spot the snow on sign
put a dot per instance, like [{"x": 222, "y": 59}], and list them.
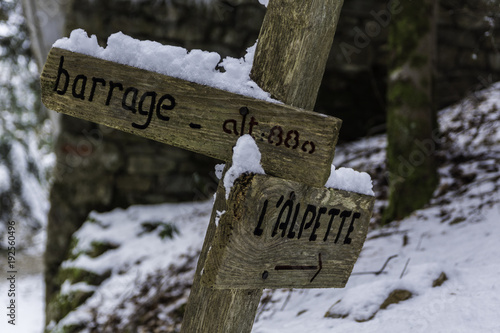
[
  {"x": 189, "y": 115},
  {"x": 283, "y": 234}
]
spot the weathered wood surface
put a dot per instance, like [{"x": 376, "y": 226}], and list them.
[
  {"x": 237, "y": 307},
  {"x": 214, "y": 310},
  {"x": 188, "y": 115},
  {"x": 300, "y": 35},
  {"x": 277, "y": 233}
]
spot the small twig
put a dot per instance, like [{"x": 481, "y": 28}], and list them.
[
  {"x": 404, "y": 269},
  {"x": 379, "y": 271},
  {"x": 287, "y": 299},
  {"x": 266, "y": 299},
  {"x": 420, "y": 241}
]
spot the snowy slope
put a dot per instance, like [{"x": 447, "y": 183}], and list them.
[
  {"x": 452, "y": 244},
  {"x": 444, "y": 259},
  {"x": 468, "y": 301},
  {"x": 455, "y": 237}
]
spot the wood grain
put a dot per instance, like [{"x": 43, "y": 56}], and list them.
[
  {"x": 233, "y": 310},
  {"x": 293, "y": 142},
  {"x": 300, "y": 35},
  {"x": 218, "y": 310},
  {"x": 278, "y": 233}
]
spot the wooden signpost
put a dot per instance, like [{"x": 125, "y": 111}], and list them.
[
  {"x": 189, "y": 115},
  {"x": 283, "y": 234},
  {"x": 279, "y": 230}
]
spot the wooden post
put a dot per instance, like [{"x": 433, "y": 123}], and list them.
[
  {"x": 218, "y": 310},
  {"x": 294, "y": 44}
]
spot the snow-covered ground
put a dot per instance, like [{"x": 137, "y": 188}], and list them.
[
  {"x": 30, "y": 305},
  {"x": 444, "y": 259},
  {"x": 468, "y": 301},
  {"x": 443, "y": 268}
]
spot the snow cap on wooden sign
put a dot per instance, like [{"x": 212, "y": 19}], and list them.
[
  {"x": 283, "y": 234},
  {"x": 293, "y": 142}
]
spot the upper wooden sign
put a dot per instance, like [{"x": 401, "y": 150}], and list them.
[
  {"x": 283, "y": 234},
  {"x": 294, "y": 143}
]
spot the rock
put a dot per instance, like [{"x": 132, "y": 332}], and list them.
[
  {"x": 147, "y": 165},
  {"x": 333, "y": 312},
  {"x": 440, "y": 280},
  {"x": 469, "y": 20},
  {"x": 112, "y": 158},
  {"x": 456, "y": 37},
  {"x": 494, "y": 59},
  {"x": 395, "y": 297},
  {"x": 458, "y": 220},
  {"x": 472, "y": 59},
  {"x": 129, "y": 183}
]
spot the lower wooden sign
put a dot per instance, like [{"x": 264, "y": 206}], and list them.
[{"x": 283, "y": 234}]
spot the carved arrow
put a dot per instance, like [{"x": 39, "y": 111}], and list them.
[{"x": 319, "y": 267}]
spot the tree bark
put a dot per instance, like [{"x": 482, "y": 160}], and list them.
[{"x": 411, "y": 117}]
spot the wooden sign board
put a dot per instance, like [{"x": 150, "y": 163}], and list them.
[
  {"x": 283, "y": 234},
  {"x": 293, "y": 142}
]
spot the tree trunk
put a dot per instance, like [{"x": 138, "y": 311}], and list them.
[{"x": 411, "y": 118}]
